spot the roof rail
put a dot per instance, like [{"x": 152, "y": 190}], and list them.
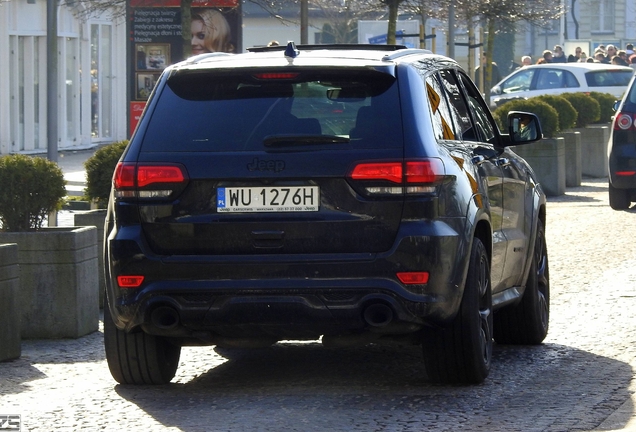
[
  {"x": 199, "y": 57},
  {"x": 406, "y": 52},
  {"x": 368, "y": 47}
]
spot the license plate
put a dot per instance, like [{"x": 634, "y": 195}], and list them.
[{"x": 268, "y": 199}]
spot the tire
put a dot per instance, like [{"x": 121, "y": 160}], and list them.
[
  {"x": 462, "y": 352},
  {"x": 138, "y": 358},
  {"x": 527, "y": 322},
  {"x": 619, "y": 199}
]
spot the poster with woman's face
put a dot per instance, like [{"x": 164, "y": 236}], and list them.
[{"x": 213, "y": 30}]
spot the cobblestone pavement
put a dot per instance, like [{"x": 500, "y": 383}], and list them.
[{"x": 581, "y": 378}]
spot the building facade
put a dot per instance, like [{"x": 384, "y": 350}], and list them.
[{"x": 91, "y": 77}]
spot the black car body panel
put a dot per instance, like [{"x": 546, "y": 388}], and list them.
[{"x": 622, "y": 151}]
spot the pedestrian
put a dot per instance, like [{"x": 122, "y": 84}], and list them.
[
  {"x": 583, "y": 57},
  {"x": 599, "y": 56},
  {"x": 576, "y": 56},
  {"x": 611, "y": 51},
  {"x": 495, "y": 75},
  {"x": 558, "y": 56},
  {"x": 547, "y": 56},
  {"x": 629, "y": 49}
]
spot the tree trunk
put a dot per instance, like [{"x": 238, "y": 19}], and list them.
[
  {"x": 490, "y": 44},
  {"x": 393, "y": 14},
  {"x": 186, "y": 23}
]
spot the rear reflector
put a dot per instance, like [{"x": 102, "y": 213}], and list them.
[
  {"x": 129, "y": 281},
  {"x": 413, "y": 278}
]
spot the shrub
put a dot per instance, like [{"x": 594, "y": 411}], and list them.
[
  {"x": 32, "y": 187},
  {"x": 99, "y": 172},
  {"x": 606, "y": 103},
  {"x": 567, "y": 113},
  {"x": 587, "y": 108},
  {"x": 548, "y": 116}
]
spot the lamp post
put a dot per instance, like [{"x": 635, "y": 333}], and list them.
[{"x": 51, "y": 79}]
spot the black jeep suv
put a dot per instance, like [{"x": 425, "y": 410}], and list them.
[{"x": 353, "y": 194}]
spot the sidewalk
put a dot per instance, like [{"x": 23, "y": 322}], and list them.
[{"x": 72, "y": 164}]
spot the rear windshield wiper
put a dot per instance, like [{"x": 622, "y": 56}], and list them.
[{"x": 291, "y": 140}]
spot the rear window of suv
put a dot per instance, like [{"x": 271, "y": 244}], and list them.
[
  {"x": 202, "y": 111},
  {"x": 608, "y": 78}
]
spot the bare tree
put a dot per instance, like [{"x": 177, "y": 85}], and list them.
[{"x": 342, "y": 17}]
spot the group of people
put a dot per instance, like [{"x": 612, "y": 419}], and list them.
[{"x": 609, "y": 54}]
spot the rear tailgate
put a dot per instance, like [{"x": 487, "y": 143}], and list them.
[{"x": 267, "y": 164}]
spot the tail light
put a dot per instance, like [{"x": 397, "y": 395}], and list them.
[
  {"x": 395, "y": 178},
  {"x": 133, "y": 180},
  {"x": 624, "y": 121}
]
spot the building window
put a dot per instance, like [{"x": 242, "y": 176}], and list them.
[
  {"x": 101, "y": 80},
  {"x": 26, "y": 113},
  {"x": 602, "y": 12}
]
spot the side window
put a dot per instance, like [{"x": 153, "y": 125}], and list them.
[
  {"x": 457, "y": 104},
  {"x": 483, "y": 121},
  {"x": 519, "y": 82},
  {"x": 550, "y": 79},
  {"x": 570, "y": 80},
  {"x": 438, "y": 107}
]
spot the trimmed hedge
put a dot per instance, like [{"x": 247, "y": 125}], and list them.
[
  {"x": 32, "y": 187},
  {"x": 606, "y": 103},
  {"x": 548, "y": 116},
  {"x": 99, "y": 172},
  {"x": 567, "y": 113},
  {"x": 587, "y": 108}
]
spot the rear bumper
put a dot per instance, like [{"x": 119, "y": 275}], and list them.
[{"x": 287, "y": 296}]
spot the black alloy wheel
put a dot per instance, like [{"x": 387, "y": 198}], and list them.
[
  {"x": 527, "y": 322},
  {"x": 462, "y": 352},
  {"x": 138, "y": 358}
]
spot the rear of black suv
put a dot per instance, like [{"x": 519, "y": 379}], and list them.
[{"x": 264, "y": 198}]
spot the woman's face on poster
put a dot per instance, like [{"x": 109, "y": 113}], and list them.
[{"x": 198, "y": 37}]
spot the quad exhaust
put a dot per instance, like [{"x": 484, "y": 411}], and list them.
[
  {"x": 378, "y": 315},
  {"x": 165, "y": 318}
]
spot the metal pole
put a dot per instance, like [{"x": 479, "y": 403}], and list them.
[
  {"x": 51, "y": 79},
  {"x": 304, "y": 22},
  {"x": 451, "y": 29}
]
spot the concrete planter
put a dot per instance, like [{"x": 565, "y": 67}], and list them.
[
  {"x": 58, "y": 278},
  {"x": 10, "y": 344},
  {"x": 573, "y": 168},
  {"x": 97, "y": 219},
  {"x": 547, "y": 159},
  {"x": 594, "y": 158}
]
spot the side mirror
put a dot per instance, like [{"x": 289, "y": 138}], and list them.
[
  {"x": 616, "y": 105},
  {"x": 523, "y": 127},
  {"x": 496, "y": 90}
]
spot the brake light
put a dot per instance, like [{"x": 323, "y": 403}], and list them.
[
  {"x": 130, "y": 281},
  {"x": 413, "y": 278},
  {"x": 276, "y": 75},
  {"x": 130, "y": 177},
  {"x": 624, "y": 121},
  {"x": 413, "y": 177}
]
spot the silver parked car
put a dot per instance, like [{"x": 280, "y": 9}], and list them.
[{"x": 558, "y": 78}]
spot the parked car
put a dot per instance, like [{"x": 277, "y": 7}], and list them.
[
  {"x": 558, "y": 78},
  {"x": 352, "y": 195},
  {"x": 622, "y": 152}
]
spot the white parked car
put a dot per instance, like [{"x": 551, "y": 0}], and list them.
[{"x": 557, "y": 78}]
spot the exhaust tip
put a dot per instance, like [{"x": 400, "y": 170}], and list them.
[
  {"x": 378, "y": 315},
  {"x": 165, "y": 318}
]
